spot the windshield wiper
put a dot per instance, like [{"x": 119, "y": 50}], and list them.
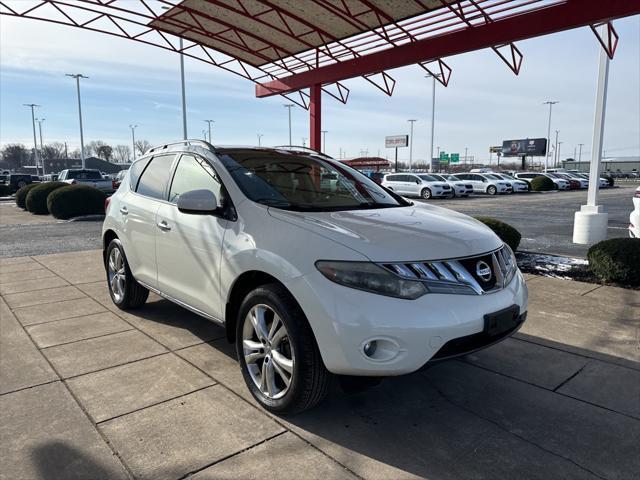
[{"x": 272, "y": 202}]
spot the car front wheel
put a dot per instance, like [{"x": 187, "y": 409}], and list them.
[
  {"x": 491, "y": 190},
  {"x": 278, "y": 354},
  {"x": 126, "y": 293},
  {"x": 425, "y": 193}
]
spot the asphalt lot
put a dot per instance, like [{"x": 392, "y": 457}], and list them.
[
  {"x": 544, "y": 219},
  {"x": 90, "y": 392}
]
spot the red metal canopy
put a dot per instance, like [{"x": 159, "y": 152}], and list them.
[{"x": 288, "y": 46}]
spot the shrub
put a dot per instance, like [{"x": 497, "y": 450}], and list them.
[
  {"x": 506, "y": 232},
  {"x": 36, "y": 201},
  {"x": 21, "y": 194},
  {"x": 75, "y": 200},
  {"x": 5, "y": 191},
  {"x": 616, "y": 260},
  {"x": 611, "y": 180},
  {"x": 542, "y": 184}
]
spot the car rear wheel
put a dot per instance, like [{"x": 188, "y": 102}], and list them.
[
  {"x": 21, "y": 184},
  {"x": 425, "y": 193},
  {"x": 278, "y": 354},
  {"x": 491, "y": 190},
  {"x": 126, "y": 293}
]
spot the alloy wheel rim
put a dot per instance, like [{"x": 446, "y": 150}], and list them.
[
  {"x": 117, "y": 276},
  {"x": 267, "y": 351}
]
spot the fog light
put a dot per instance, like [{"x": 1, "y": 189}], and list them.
[{"x": 370, "y": 348}]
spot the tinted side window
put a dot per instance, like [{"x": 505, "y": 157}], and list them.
[
  {"x": 193, "y": 174},
  {"x": 136, "y": 170},
  {"x": 463, "y": 176},
  {"x": 392, "y": 178},
  {"x": 155, "y": 177}
]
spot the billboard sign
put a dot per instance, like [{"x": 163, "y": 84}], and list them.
[
  {"x": 455, "y": 158},
  {"x": 536, "y": 147},
  {"x": 396, "y": 141},
  {"x": 496, "y": 149}
]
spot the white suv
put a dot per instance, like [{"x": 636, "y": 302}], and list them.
[
  {"x": 486, "y": 183},
  {"x": 417, "y": 185},
  {"x": 309, "y": 278},
  {"x": 460, "y": 189}
]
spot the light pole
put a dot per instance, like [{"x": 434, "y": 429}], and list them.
[
  {"x": 289, "y": 106},
  {"x": 466, "y": 149},
  {"x": 580, "y": 152},
  {"x": 35, "y": 142},
  {"x": 209, "y": 122},
  {"x": 204, "y": 135},
  {"x": 324, "y": 140},
  {"x": 304, "y": 141},
  {"x": 41, "y": 144},
  {"x": 133, "y": 141},
  {"x": 555, "y": 150},
  {"x": 433, "y": 117},
  {"x": 411, "y": 121},
  {"x": 559, "y": 160},
  {"x": 546, "y": 158},
  {"x": 260, "y": 135},
  {"x": 184, "y": 95},
  {"x": 78, "y": 76}
]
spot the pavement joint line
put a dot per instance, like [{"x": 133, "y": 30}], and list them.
[
  {"x": 571, "y": 377},
  {"x": 520, "y": 437},
  {"x": 81, "y": 339},
  {"x": 39, "y": 289},
  {"x": 126, "y": 468},
  {"x": 275, "y": 418},
  {"x": 577, "y": 354},
  {"x": 30, "y": 386},
  {"x": 520, "y": 380},
  {"x": 66, "y": 318},
  {"x": 193, "y": 472},
  {"x": 592, "y": 290},
  {"x": 71, "y": 377},
  {"x": 155, "y": 404}
]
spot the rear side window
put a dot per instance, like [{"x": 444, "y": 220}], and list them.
[
  {"x": 155, "y": 177},
  {"x": 136, "y": 170},
  {"x": 391, "y": 178}
]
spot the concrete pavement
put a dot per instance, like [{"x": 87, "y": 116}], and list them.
[{"x": 89, "y": 392}]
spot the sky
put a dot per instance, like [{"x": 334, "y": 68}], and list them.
[{"x": 484, "y": 104}]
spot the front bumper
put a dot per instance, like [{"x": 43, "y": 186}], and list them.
[{"x": 412, "y": 331}]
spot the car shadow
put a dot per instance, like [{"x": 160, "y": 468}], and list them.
[{"x": 56, "y": 460}]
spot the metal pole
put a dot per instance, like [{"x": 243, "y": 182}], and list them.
[
  {"x": 580, "y": 152},
  {"x": 555, "y": 151},
  {"x": 324, "y": 141},
  {"x": 35, "y": 142},
  {"x": 411, "y": 121},
  {"x": 465, "y": 154},
  {"x": 433, "y": 120},
  {"x": 396, "y": 159},
  {"x": 546, "y": 158},
  {"x": 133, "y": 141},
  {"x": 559, "y": 159},
  {"x": 259, "y": 139},
  {"x": 289, "y": 105},
  {"x": 78, "y": 76},
  {"x": 41, "y": 144},
  {"x": 184, "y": 95},
  {"x": 209, "y": 122}
]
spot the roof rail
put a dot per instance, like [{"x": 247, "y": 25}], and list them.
[
  {"x": 297, "y": 148},
  {"x": 163, "y": 146}
]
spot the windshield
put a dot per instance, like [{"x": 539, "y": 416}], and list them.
[
  {"x": 495, "y": 177},
  {"x": 304, "y": 182},
  {"x": 453, "y": 178},
  {"x": 439, "y": 177},
  {"x": 428, "y": 178}
]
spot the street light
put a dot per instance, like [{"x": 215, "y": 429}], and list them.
[
  {"x": 260, "y": 135},
  {"x": 133, "y": 140},
  {"x": 35, "y": 142},
  {"x": 41, "y": 144},
  {"x": 324, "y": 140},
  {"x": 411, "y": 121},
  {"x": 555, "y": 160},
  {"x": 184, "y": 96},
  {"x": 580, "y": 152},
  {"x": 204, "y": 135},
  {"x": 466, "y": 149},
  {"x": 546, "y": 158},
  {"x": 78, "y": 76},
  {"x": 304, "y": 141},
  {"x": 209, "y": 122},
  {"x": 559, "y": 160},
  {"x": 433, "y": 116},
  {"x": 289, "y": 106}
]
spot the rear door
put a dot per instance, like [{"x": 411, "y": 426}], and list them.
[
  {"x": 139, "y": 207},
  {"x": 189, "y": 246}
]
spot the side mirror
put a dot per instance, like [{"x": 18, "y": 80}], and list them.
[
  {"x": 418, "y": 182},
  {"x": 198, "y": 202}
]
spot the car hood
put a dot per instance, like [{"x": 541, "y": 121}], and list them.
[{"x": 417, "y": 232}]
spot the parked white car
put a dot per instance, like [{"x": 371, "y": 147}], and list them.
[
  {"x": 584, "y": 182},
  {"x": 306, "y": 280},
  {"x": 417, "y": 185},
  {"x": 634, "y": 217},
  {"x": 460, "y": 188},
  {"x": 560, "y": 183},
  {"x": 604, "y": 183},
  {"x": 518, "y": 186},
  {"x": 485, "y": 183}
]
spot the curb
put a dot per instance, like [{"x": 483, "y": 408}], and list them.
[{"x": 87, "y": 218}]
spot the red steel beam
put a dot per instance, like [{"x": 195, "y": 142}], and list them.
[
  {"x": 315, "y": 117},
  {"x": 533, "y": 23}
]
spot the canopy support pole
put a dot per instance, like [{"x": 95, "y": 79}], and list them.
[{"x": 315, "y": 117}]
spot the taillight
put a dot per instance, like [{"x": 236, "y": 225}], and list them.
[
  {"x": 107, "y": 201},
  {"x": 637, "y": 194},
  {"x": 114, "y": 185}
]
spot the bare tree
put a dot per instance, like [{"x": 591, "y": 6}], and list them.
[
  {"x": 14, "y": 155},
  {"x": 142, "y": 146},
  {"x": 53, "y": 151},
  {"x": 105, "y": 152},
  {"x": 91, "y": 148},
  {"x": 122, "y": 153}
]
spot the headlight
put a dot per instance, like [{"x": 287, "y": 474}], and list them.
[
  {"x": 508, "y": 259},
  {"x": 370, "y": 278}
]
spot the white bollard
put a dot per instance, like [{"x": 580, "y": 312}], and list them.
[{"x": 590, "y": 225}]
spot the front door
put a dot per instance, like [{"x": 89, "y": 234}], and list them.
[{"x": 189, "y": 246}]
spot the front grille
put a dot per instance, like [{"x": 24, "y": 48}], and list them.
[
  {"x": 478, "y": 274},
  {"x": 446, "y": 187}
]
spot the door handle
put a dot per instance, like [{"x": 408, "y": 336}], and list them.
[
  {"x": 163, "y": 225},
  {"x": 123, "y": 210}
]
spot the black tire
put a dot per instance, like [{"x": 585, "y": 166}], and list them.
[
  {"x": 310, "y": 379},
  {"x": 492, "y": 190},
  {"x": 21, "y": 184},
  {"x": 135, "y": 295},
  {"x": 425, "y": 193}
]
